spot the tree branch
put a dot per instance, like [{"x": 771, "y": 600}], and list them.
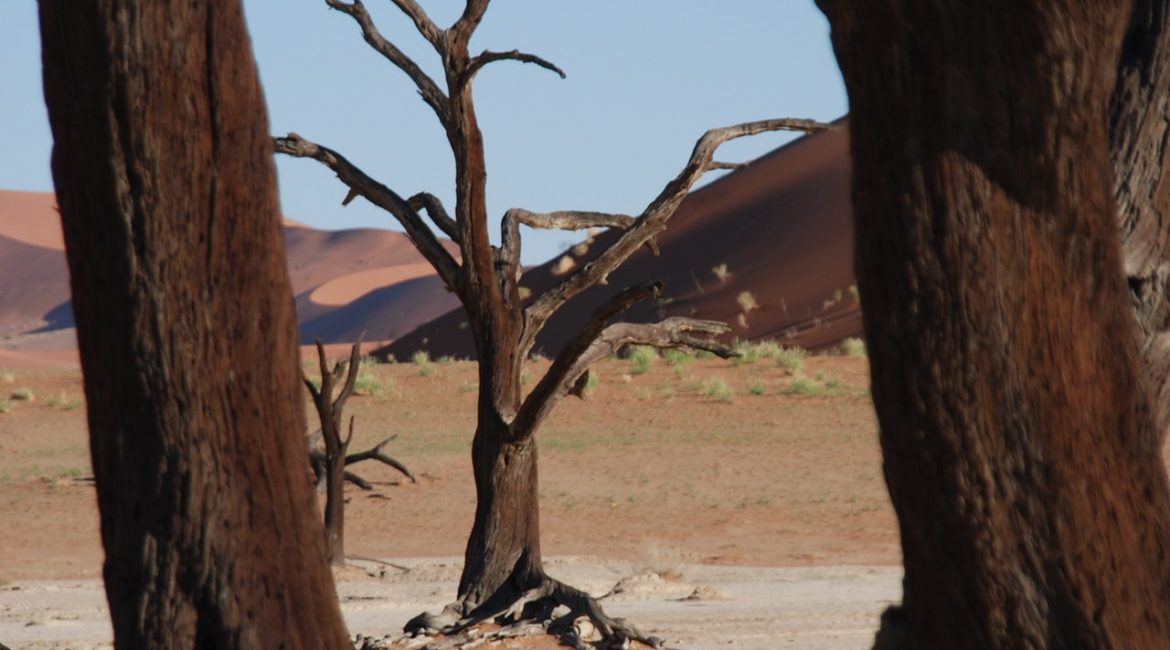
[
  {"x": 487, "y": 56},
  {"x": 380, "y": 195},
  {"x": 715, "y": 164},
  {"x": 427, "y": 88},
  {"x": 561, "y": 219},
  {"x": 463, "y": 28},
  {"x": 377, "y": 454},
  {"x": 598, "y": 340},
  {"x": 437, "y": 213},
  {"x": 423, "y": 22},
  {"x": 653, "y": 219},
  {"x": 355, "y": 361}
]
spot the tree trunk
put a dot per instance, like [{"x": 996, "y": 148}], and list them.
[
  {"x": 334, "y": 497},
  {"x": 503, "y": 550},
  {"x": 185, "y": 323},
  {"x": 1137, "y": 138},
  {"x": 1015, "y": 418}
]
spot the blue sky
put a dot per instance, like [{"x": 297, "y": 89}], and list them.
[{"x": 645, "y": 79}]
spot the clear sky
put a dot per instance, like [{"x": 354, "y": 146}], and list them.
[{"x": 645, "y": 79}]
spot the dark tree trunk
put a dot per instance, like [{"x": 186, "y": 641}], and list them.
[
  {"x": 1137, "y": 137},
  {"x": 1015, "y": 419},
  {"x": 185, "y": 323},
  {"x": 503, "y": 551}
]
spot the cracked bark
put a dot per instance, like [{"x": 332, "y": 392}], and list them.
[
  {"x": 185, "y": 325},
  {"x": 1017, "y": 429}
]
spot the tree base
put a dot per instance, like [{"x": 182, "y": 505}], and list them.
[{"x": 552, "y": 607}]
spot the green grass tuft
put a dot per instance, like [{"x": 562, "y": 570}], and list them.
[
  {"x": 852, "y": 347},
  {"x": 718, "y": 389}
]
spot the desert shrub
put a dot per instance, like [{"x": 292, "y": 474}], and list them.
[
  {"x": 676, "y": 357},
  {"x": 803, "y": 386},
  {"x": 643, "y": 357},
  {"x": 768, "y": 349},
  {"x": 791, "y": 359},
  {"x": 5, "y": 406},
  {"x": 718, "y": 389},
  {"x": 746, "y": 353},
  {"x": 704, "y": 354},
  {"x": 852, "y": 347},
  {"x": 422, "y": 361},
  {"x": 468, "y": 387},
  {"x": 854, "y": 293},
  {"x": 757, "y": 388},
  {"x": 21, "y": 395},
  {"x": 367, "y": 383},
  {"x": 832, "y": 383},
  {"x": 7, "y": 376}
]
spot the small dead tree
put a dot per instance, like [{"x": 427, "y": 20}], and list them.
[
  {"x": 503, "y": 569},
  {"x": 329, "y": 458}
]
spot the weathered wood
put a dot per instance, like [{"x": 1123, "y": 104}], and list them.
[
  {"x": 185, "y": 326},
  {"x": 1137, "y": 142},
  {"x": 1015, "y": 421}
]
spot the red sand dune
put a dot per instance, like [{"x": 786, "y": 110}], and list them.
[
  {"x": 781, "y": 226},
  {"x": 345, "y": 282}
]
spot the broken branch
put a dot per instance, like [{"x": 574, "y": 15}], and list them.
[
  {"x": 380, "y": 195},
  {"x": 487, "y": 56},
  {"x": 436, "y": 211}
]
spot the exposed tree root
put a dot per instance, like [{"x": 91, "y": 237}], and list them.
[{"x": 573, "y": 616}]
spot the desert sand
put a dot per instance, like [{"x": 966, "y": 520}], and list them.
[{"x": 770, "y": 505}]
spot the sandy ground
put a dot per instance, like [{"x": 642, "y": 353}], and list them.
[{"x": 772, "y": 504}]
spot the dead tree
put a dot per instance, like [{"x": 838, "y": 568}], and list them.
[
  {"x": 1020, "y": 444},
  {"x": 329, "y": 410},
  {"x": 502, "y": 561},
  {"x": 164, "y": 176},
  {"x": 330, "y": 459}
]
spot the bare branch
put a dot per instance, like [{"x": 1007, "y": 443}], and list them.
[
  {"x": 487, "y": 56},
  {"x": 562, "y": 220},
  {"x": 463, "y": 28},
  {"x": 570, "y": 219},
  {"x": 355, "y": 361},
  {"x": 423, "y": 22},
  {"x": 377, "y": 454},
  {"x": 430, "y": 91},
  {"x": 653, "y": 219},
  {"x": 556, "y": 381},
  {"x": 436, "y": 211},
  {"x": 380, "y": 195},
  {"x": 715, "y": 164}
]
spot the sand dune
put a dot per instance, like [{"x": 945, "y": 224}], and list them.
[
  {"x": 767, "y": 249},
  {"x": 344, "y": 282}
]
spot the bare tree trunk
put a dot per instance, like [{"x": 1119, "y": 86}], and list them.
[
  {"x": 1015, "y": 417},
  {"x": 185, "y": 322},
  {"x": 503, "y": 550},
  {"x": 1138, "y": 132}
]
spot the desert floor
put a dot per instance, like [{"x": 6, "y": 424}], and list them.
[{"x": 754, "y": 488}]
